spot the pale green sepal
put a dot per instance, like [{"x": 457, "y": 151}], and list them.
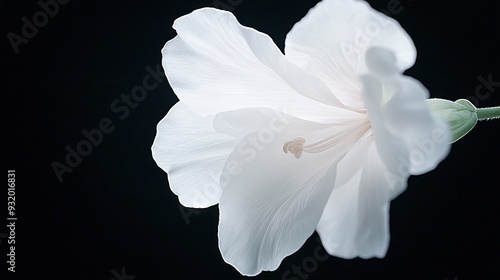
[{"x": 461, "y": 115}]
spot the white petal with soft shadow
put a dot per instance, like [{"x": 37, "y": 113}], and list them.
[
  {"x": 390, "y": 144},
  {"x": 408, "y": 137},
  {"x": 216, "y": 65},
  {"x": 355, "y": 221},
  {"x": 331, "y": 40},
  {"x": 272, "y": 201},
  {"x": 193, "y": 154}
]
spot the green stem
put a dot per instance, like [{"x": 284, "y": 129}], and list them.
[{"x": 488, "y": 113}]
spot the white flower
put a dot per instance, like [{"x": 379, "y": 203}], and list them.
[{"x": 337, "y": 101}]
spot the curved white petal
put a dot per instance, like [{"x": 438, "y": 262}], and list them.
[
  {"x": 408, "y": 137},
  {"x": 271, "y": 201},
  {"x": 355, "y": 221},
  {"x": 331, "y": 41},
  {"x": 193, "y": 154},
  {"x": 216, "y": 65},
  {"x": 405, "y": 140}
]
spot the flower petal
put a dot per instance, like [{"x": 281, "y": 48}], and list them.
[
  {"x": 405, "y": 140},
  {"x": 331, "y": 40},
  {"x": 408, "y": 137},
  {"x": 193, "y": 154},
  {"x": 271, "y": 201},
  {"x": 216, "y": 65},
  {"x": 355, "y": 221}
]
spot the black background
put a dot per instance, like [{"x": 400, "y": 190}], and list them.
[{"x": 115, "y": 209}]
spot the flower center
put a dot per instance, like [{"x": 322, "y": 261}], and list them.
[{"x": 297, "y": 147}]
